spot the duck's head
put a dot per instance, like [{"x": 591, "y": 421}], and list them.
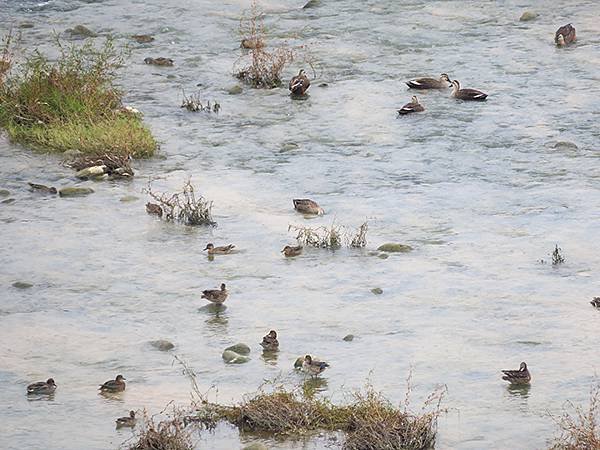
[
  {"x": 445, "y": 77},
  {"x": 301, "y": 72},
  {"x": 222, "y": 286},
  {"x": 120, "y": 378},
  {"x": 308, "y": 359},
  {"x": 455, "y": 84},
  {"x": 132, "y": 414},
  {"x": 286, "y": 248},
  {"x": 415, "y": 99},
  {"x": 50, "y": 381},
  {"x": 273, "y": 334},
  {"x": 523, "y": 367},
  {"x": 560, "y": 40},
  {"x": 148, "y": 60},
  {"x": 209, "y": 246}
]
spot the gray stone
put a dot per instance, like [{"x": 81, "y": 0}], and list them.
[
  {"x": 383, "y": 256},
  {"x": 377, "y": 291},
  {"x": 234, "y": 358},
  {"x": 89, "y": 172},
  {"x": 240, "y": 349},
  {"x": 8, "y": 201},
  {"x": 129, "y": 198},
  {"x": 81, "y": 31},
  {"x": 348, "y": 338},
  {"x": 73, "y": 191},
  {"x": 528, "y": 15},
  {"x": 395, "y": 248},
  {"x": 565, "y": 145},
  {"x": 22, "y": 285},
  {"x": 235, "y": 90},
  {"x": 4, "y": 193},
  {"x": 26, "y": 25},
  {"x": 163, "y": 345}
]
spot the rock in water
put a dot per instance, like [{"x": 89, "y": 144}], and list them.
[
  {"x": 142, "y": 38},
  {"x": 234, "y": 358},
  {"x": 89, "y": 172},
  {"x": 311, "y": 4},
  {"x": 348, "y": 338},
  {"x": 163, "y": 345},
  {"x": 234, "y": 90},
  {"x": 129, "y": 198},
  {"x": 75, "y": 191},
  {"x": 81, "y": 31},
  {"x": 22, "y": 285},
  {"x": 377, "y": 291},
  {"x": 528, "y": 15},
  {"x": 256, "y": 446},
  {"x": 240, "y": 349},
  {"x": 395, "y": 248},
  {"x": 4, "y": 193}
]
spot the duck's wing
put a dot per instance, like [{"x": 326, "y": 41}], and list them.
[
  {"x": 410, "y": 108},
  {"x": 422, "y": 83},
  {"x": 471, "y": 94},
  {"x": 36, "y": 386}
]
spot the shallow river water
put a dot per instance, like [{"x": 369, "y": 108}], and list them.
[{"x": 480, "y": 191}]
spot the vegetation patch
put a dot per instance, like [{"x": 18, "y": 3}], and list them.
[
  {"x": 168, "y": 434},
  {"x": 333, "y": 237},
  {"x": 194, "y": 104},
  {"x": 72, "y": 103},
  {"x": 185, "y": 206}
]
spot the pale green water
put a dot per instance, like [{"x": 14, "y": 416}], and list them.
[{"x": 475, "y": 188}]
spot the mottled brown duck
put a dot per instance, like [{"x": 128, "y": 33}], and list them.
[
  {"x": 299, "y": 84},
  {"x": 521, "y": 376},
  {"x": 565, "y": 35},
  {"x": 217, "y": 296},
  {"x": 411, "y": 107}
]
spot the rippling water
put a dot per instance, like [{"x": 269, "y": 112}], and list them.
[{"x": 479, "y": 190}]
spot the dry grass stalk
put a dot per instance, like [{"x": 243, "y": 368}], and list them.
[
  {"x": 6, "y": 55},
  {"x": 168, "y": 434},
  {"x": 333, "y": 237},
  {"x": 115, "y": 163},
  {"x": 184, "y": 206},
  {"x": 194, "y": 104},
  {"x": 580, "y": 428}
]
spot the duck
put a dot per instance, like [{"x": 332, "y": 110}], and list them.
[
  {"x": 116, "y": 385},
  {"x": 596, "y": 302},
  {"x": 312, "y": 366},
  {"x": 290, "y": 252},
  {"x": 42, "y": 387},
  {"x": 42, "y": 189},
  {"x": 430, "y": 83},
  {"x": 142, "y": 38},
  {"x": 521, "y": 376},
  {"x": 270, "y": 342},
  {"x": 127, "y": 421},
  {"x": 252, "y": 44},
  {"x": 212, "y": 250},
  {"x": 299, "y": 84},
  {"x": 217, "y": 296},
  {"x": 160, "y": 61},
  {"x": 307, "y": 206},
  {"x": 411, "y": 107},
  {"x": 466, "y": 94},
  {"x": 565, "y": 35},
  {"x": 153, "y": 208}
]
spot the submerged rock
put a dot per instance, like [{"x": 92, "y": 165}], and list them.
[
  {"x": 22, "y": 285},
  {"x": 231, "y": 357},
  {"x": 256, "y": 446},
  {"x": 528, "y": 15},
  {"x": 160, "y": 61},
  {"x": 42, "y": 189},
  {"x": 26, "y": 25},
  {"x": 90, "y": 172},
  {"x": 8, "y": 201},
  {"x": 348, "y": 338},
  {"x": 81, "y": 31},
  {"x": 395, "y": 248},
  {"x": 4, "y": 193},
  {"x": 383, "y": 256},
  {"x": 235, "y": 90},
  {"x": 565, "y": 145},
  {"x": 377, "y": 291},
  {"x": 240, "y": 349},
  {"x": 73, "y": 191},
  {"x": 129, "y": 198},
  {"x": 142, "y": 38},
  {"x": 163, "y": 345}
]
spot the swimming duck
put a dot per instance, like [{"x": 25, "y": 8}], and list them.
[
  {"x": 142, "y": 38},
  {"x": 466, "y": 94},
  {"x": 160, "y": 61},
  {"x": 291, "y": 251},
  {"x": 312, "y": 366},
  {"x": 521, "y": 376},
  {"x": 596, "y": 302},
  {"x": 270, "y": 342},
  {"x": 411, "y": 107},
  {"x": 153, "y": 208},
  {"x": 430, "y": 83},
  {"x": 42, "y": 189},
  {"x": 217, "y": 296},
  {"x": 128, "y": 421},
  {"x": 299, "y": 84},
  {"x": 212, "y": 250},
  {"x": 565, "y": 35},
  {"x": 42, "y": 387},
  {"x": 116, "y": 385},
  {"x": 252, "y": 44},
  {"x": 307, "y": 206}
]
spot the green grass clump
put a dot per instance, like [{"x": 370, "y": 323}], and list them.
[{"x": 72, "y": 104}]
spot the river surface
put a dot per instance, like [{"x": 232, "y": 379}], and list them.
[{"x": 480, "y": 190}]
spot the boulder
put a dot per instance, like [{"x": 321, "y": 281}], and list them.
[
  {"x": 348, "y": 338},
  {"x": 129, "y": 198},
  {"x": 231, "y": 357},
  {"x": 528, "y": 15},
  {"x": 73, "y": 191},
  {"x": 235, "y": 90},
  {"x": 81, "y": 31},
  {"x": 163, "y": 345},
  {"x": 4, "y": 193},
  {"x": 240, "y": 349},
  {"x": 89, "y": 172},
  {"x": 377, "y": 291},
  {"x": 565, "y": 145},
  {"x": 395, "y": 248},
  {"x": 22, "y": 285}
]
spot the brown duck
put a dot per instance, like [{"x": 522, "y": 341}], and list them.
[
  {"x": 565, "y": 35},
  {"x": 430, "y": 83},
  {"x": 116, "y": 385},
  {"x": 160, "y": 61},
  {"x": 466, "y": 94},
  {"x": 596, "y": 302},
  {"x": 42, "y": 387},
  {"x": 128, "y": 421},
  {"x": 270, "y": 342},
  {"x": 290, "y": 252},
  {"x": 42, "y": 189},
  {"x": 307, "y": 206},
  {"x": 217, "y": 296},
  {"x": 521, "y": 376},
  {"x": 411, "y": 107},
  {"x": 153, "y": 208},
  {"x": 212, "y": 250},
  {"x": 299, "y": 84}
]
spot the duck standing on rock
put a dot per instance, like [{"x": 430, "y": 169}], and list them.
[
  {"x": 312, "y": 366},
  {"x": 430, "y": 83},
  {"x": 212, "y": 250},
  {"x": 270, "y": 342},
  {"x": 307, "y": 206},
  {"x": 116, "y": 385},
  {"x": 299, "y": 84},
  {"x": 565, "y": 35},
  {"x": 217, "y": 296},
  {"x": 466, "y": 94},
  {"x": 411, "y": 107},
  {"x": 42, "y": 387},
  {"x": 521, "y": 376},
  {"x": 290, "y": 252},
  {"x": 128, "y": 421}
]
